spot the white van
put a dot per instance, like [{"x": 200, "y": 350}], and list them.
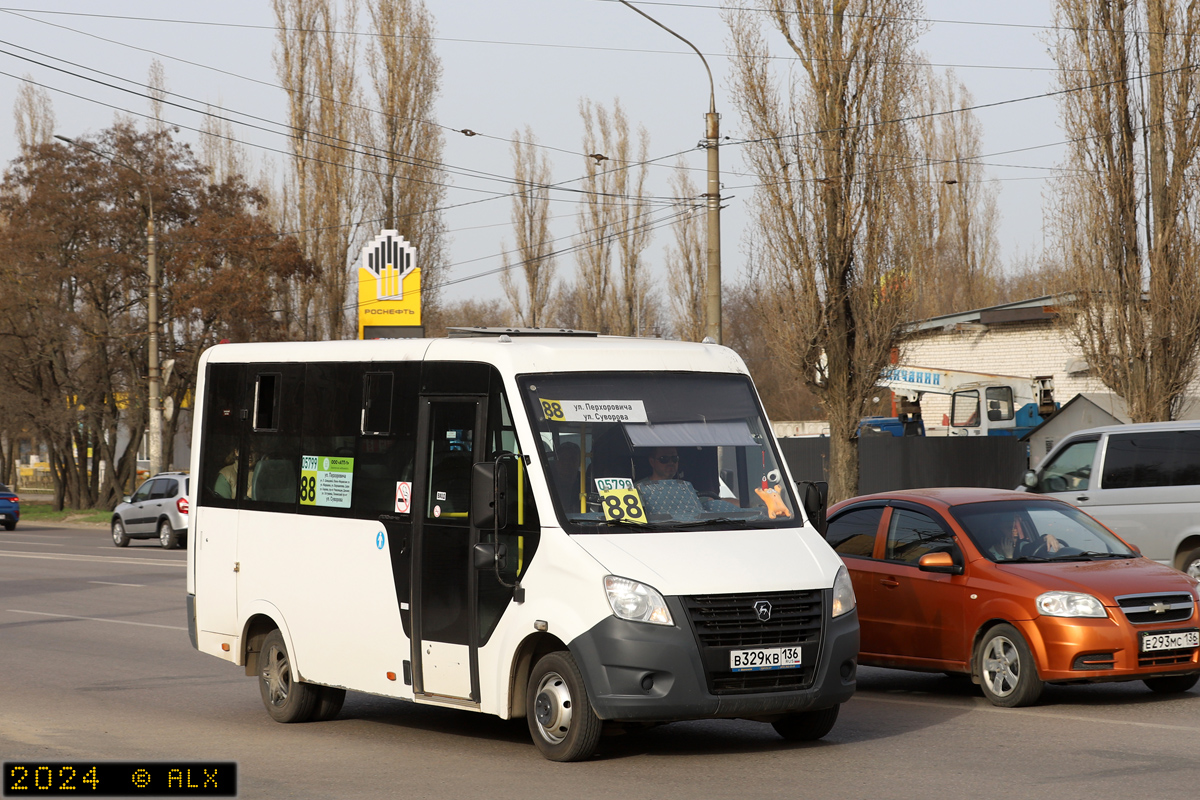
[
  {"x": 1142, "y": 481},
  {"x": 574, "y": 529}
]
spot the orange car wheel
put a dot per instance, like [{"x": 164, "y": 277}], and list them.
[{"x": 1006, "y": 669}]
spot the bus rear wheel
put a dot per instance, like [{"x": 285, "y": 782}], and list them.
[
  {"x": 286, "y": 698},
  {"x": 561, "y": 720}
]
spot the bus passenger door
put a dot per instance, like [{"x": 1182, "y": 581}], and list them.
[{"x": 444, "y": 589}]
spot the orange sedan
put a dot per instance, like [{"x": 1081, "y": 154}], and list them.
[{"x": 1015, "y": 590}]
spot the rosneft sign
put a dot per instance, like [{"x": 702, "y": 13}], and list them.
[{"x": 389, "y": 284}]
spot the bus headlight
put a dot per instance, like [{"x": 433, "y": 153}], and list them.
[
  {"x": 636, "y": 601},
  {"x": 1070, "y": 604},
  {"x": 843, "y": 594}
]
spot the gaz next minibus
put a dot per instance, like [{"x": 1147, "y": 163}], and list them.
[{"x": 579, "y": 530}]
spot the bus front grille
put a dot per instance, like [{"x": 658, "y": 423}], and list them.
[{"x": 723, "y": 623}]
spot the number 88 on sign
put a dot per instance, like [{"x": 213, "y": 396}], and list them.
[{"x": 621, "y": 500}]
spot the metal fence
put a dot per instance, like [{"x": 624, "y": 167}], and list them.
[{"x": 886, "y": 463}]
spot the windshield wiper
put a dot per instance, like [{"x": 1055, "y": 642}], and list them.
[
  {"x": 1021, "y": 560},
  {"x": 1092, "y": 555},
  {"x": 699, "y": 523}
]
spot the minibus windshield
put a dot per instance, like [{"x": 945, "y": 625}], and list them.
[{"x": 635, "y": 451}]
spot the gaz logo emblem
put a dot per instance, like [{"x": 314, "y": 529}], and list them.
[{"x": 763, "y": 610}]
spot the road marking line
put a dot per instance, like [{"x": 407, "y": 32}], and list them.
[
  {"x": 110, "y": 583},
  {"x": 154, "y": 562},
  {"x": 1023, "y": 712},
  {"x": 43, "y": 544},
  {"x": 95, "y": 619}
]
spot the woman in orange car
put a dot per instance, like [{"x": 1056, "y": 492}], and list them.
[{"x": 1014, "y": 590}]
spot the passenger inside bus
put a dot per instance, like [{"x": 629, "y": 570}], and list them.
[{"x": 226, "y": 482}]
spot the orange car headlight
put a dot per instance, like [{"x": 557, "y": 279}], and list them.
[{"x": 1070, "y": 604}]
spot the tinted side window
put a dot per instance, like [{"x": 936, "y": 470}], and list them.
[
  {"x": 1166, "y": 458},
  {"x": 273, "y": 465},
  {"x": 163, "y": 487},
  {"x": 853, "y": 533},
  {"x": 912, "y": 535},
  {"x": 143, "y": 492},
  {"x": 377, "y": 403},
  {"x": 222, "y": 471}
]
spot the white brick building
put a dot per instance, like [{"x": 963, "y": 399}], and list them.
[{"x": 1021, "y": 339}]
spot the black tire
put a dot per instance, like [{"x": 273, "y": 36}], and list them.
[
  {"x": 167, "y": 537},
  {"x": 286, "y": 698},
  {"x": 10, "y": 526},
  {"x": 329, "y": 703},
  {"x": 1171, "y": 684},
  {"x": 119, "y": 536},
  {"x": 807, "y": 726},
  {"x": 561, "y": 720},
  {"x": 1190, "y": 564},
  {"x": 1007, "y": 672}
]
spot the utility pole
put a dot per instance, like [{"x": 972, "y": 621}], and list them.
[
  {"x": 154, "y": 395},
  {"x": 712, "y": 137}
]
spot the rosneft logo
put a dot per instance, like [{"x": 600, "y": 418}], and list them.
[{"x": 389, "y": 259}]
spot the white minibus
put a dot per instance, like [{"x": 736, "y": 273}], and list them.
[{"x": 579, "y": 530}]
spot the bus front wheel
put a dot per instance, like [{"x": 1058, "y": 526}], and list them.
[
  {"x": 286, "y": 697},
  {"x": 561, "y": 720}
]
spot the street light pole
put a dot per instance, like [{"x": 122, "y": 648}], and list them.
[
  {"x": 154, "y": 398},
  {"x": 712, "y": 137}
]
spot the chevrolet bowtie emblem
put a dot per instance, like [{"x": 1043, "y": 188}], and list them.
[
  {"x": 763, "y": 609},
  {"x": 1160, "y": 608}
]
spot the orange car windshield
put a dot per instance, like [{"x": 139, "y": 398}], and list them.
[{"x": 1007, "y": 531}]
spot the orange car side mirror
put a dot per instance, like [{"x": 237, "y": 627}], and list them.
[{"x": 939, "y": 562}]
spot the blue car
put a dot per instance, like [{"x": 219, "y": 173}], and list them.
[{"x": 10, "y": 507}]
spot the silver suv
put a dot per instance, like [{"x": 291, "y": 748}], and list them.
[{"x": 158, "y": 508}]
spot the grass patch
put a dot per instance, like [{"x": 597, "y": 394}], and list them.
[{"x": 43, "y": 511}]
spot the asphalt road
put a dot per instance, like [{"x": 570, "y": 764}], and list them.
[{"x": 95, "y": 663}]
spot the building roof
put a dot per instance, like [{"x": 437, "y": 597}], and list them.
[{"x": 1044, "y": 308}]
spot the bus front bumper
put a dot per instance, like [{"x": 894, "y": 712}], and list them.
[{"x": 654, "y": 673}]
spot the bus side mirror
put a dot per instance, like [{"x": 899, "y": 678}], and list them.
[
  {"x": 489, "y": 495},
  {"x": 813, "y": 496},
  {"x": 1030, "y": 480}
]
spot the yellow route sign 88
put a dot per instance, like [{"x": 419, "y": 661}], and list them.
[{"x": 621, "y": 500}]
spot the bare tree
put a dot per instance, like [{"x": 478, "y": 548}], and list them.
[
  {"x": 156, "y": 88},
  {"x": 612, "y": 221},
  {"x": 407, "y": 185},
  {"x": 687, "y": 268},
  {"x": 831, "y": 252},
  {"x": 531, "y": 225},
  {"x": 220, "y": 148},
  {"x": 1126, "y": 209},
  {"x": 956, "y": 214},
  {"x": 33, "y": 114},
  {"x": 315, "y": 65}
]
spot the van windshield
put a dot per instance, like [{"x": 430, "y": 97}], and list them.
[{"x": 629, "y": 451}]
